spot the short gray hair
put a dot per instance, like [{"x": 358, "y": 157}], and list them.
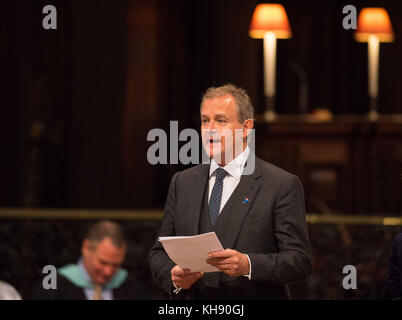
[
  {"x": 245, "y": 109},
  {"x": 106, "y": 229}
]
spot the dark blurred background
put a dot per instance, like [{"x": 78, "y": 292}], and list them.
[{"x": 77, "y": 103}]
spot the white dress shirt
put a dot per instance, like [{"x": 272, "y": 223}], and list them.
[
  {"x": 107, "y": 294},
  {"x": 234, "y": 169}
]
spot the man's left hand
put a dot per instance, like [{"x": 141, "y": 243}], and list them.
[{"x": 229, "y": 261}]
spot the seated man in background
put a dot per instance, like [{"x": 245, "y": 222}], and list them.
[{"x": 98, "y": 274}]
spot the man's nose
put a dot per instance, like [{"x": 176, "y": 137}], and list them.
[
  {"x": 108, "y": 270},
  {"x": 212, "y": 125},
  {"x": 212, "y": 129}
]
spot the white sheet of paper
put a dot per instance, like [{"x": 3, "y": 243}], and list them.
[{"x": 191, "y": 252}]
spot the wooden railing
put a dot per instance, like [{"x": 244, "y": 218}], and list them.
[{"x": 57, "y": 213}]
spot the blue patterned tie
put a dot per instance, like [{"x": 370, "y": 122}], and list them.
[{"x": 216, "y": 195}]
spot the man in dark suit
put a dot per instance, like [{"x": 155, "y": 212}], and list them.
[
  {"x": 98, "y": 274},
  {"x": 393, "y": 282},
  {"x": 258, "y": 217}
]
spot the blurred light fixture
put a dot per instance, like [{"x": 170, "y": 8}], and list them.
[
  {"x": 270, "y": 22},
  {"x": 373, "y": 26}
]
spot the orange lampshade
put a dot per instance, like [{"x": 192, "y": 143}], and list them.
[
  {"x": 374, "y": 21},
  {"x": 270, "y": 17}
]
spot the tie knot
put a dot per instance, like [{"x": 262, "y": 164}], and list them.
[{"x": 220, "y": 173}]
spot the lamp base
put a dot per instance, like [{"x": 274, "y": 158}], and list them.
[
  {"x": 373, "y": 113},
  {"x": 269, "y": 116},
  {"x": 373, "y": 116}
]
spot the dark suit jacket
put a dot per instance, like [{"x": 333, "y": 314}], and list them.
[
  {"x": 270, "y": 228},
  {"x": 66, "y": 290},
  {"x": 393, "y": 282}
]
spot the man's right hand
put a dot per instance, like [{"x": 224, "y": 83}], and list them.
[{"x": 184, "y": 278}]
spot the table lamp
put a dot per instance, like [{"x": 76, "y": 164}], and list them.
[
  {"x": 373, "y": 27},
  {"x": 269, "y": 22}
]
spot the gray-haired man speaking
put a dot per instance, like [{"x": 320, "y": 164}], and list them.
[{"x": 259, "y": 217}]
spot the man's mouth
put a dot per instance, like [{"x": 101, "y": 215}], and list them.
[{"x": 212, "y": 140}]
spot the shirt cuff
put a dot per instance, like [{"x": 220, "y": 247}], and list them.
[
  {"x": 249, "y": 263},
  {"x": 177, "y": 289}
]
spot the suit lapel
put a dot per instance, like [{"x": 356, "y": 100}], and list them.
[
  {"x": 196, "y": 191},
  {"x": 230, "y": 221}
]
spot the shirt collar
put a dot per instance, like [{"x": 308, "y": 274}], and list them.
[
  {"x": 234, "y": 167},
  {"x": 83, "y": 270}
]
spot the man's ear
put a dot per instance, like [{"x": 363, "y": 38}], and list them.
[
  {"x": 248, "y": 124},
  {"x": 86, "y": 247}
]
